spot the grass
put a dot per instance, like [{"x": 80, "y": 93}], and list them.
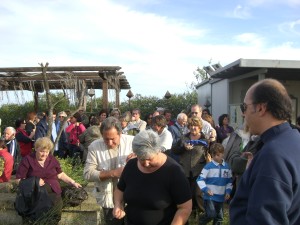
[{"x": 194, "y": 218}]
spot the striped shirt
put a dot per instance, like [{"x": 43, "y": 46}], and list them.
[{"x": 217, "y": 178}]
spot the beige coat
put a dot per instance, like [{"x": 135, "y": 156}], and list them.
[{"x": 99, "y": 159}]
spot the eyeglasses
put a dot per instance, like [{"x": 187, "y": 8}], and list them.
[
  {"x": 244, "y": 106},
  {"x": 196, "y": 113}
]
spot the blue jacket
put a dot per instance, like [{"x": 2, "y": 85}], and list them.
[
  {"x": 41, "y": 129},
  {"x": 269, "y": 191},
  {"x": 176, "y": 133}
]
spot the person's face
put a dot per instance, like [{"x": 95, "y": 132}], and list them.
[
  {"x": 182, "y": 121},
  {"x": 151, "y": 161},
  {"x": 42, "y": 154},
  {"x": 225, "y": 121},
  {"x": 111, "y": 138},
  {"x": 250, "y": 113},
  {"x": 195, "y": 111},
  {"x": 195, "y": 130},
  {"x": 61, "y": 118},
  {"x": 116, "y": 114},
  {"x": 135, "y": 115},
  {"x": 23, "y": 125},
  {"x": 8, "y": 135},
  {"x": 204, "y": 113},
  {"x": 73, "y": 119},
  {"x": 157, "y": 128},
  {"x": 168, "y": 116},
  {"x": 149, "y": 119},
  {"x": 103, "y": 116},
  {"x": 54, "y": 117},
  {"x": 218, "y": 157},
  {"x": 123, "y": 123}
]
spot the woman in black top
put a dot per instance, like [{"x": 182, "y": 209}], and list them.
[{"x": 153, "y": 186}]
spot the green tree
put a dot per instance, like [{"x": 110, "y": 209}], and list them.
[{"x": 177, "y": 103}]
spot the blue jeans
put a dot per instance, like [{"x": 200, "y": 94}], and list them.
[{"x": 215, "y": 209}]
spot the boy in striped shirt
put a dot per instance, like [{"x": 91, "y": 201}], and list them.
[{"x": 215, "y": 181}]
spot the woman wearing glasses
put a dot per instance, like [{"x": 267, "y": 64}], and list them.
[{"x": 192, "y": 151}]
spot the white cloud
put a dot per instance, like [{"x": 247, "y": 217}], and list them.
[
  {"x": 156, "y": 53},
  {"x": 292, "y": 27},
  {"x": 241, "y": 12}
]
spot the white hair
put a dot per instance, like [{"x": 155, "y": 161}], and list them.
[{"x": 13, "y": 130}]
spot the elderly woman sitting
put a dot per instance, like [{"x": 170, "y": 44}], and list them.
[
  {"x": 45, "y": 166},
  {"x": 153, "y": 186}
]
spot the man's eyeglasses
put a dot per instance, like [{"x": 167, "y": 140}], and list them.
[
  {"x": 194, "y": 113},
  {"x": 244, "y": 106}
]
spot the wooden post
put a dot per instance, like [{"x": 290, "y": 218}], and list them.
[
  {"x": 117, "y": 98},
  {"x": 105, "y": 94},
  {"x": 36, "y": 101}
]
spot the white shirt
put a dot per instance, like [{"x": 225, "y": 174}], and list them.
[{"x": 165, "y": 139}]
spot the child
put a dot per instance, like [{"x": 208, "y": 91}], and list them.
[{"x": 215, "y": 181}]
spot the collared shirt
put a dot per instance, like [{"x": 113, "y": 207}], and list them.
[
  {"x": 99, "y": 159},
  {"x": 30, "y": 167}
]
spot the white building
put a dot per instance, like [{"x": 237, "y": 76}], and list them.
[{"x": 225, "y": 90}]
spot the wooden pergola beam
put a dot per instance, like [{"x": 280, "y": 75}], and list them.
[{"x": 96, "y": 77}]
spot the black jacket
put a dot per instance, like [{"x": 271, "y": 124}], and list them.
[{"x": 32, "y": 200}]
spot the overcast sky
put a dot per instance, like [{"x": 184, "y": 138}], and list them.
[{"x": 158, "y": 43}]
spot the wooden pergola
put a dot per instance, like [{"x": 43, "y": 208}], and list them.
[{"x": 94, "y": 77}]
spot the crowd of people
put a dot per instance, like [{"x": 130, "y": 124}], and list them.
[{"x": 162, "y": 170}]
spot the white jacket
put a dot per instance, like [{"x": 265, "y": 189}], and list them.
[{"x": 98, "y": 159}]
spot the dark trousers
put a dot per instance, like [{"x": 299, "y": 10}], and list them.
[
  {"x": 213, "y": 211},
  {"x": 74, "y": 151},
  {"x": 110, "y": 219}
]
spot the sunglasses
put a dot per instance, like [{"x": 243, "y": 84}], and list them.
[{"x": 244, "y": 107}]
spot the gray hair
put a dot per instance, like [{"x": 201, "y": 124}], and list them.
[
  {"x": 109, "y": 123},
  {"x": 181, "y": 116},
  {"x": 13, "y": 130},
  {"x": 145, "y": 144}
]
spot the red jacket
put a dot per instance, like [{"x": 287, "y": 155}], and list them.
[
  {"x": 74, "y": 132},
  {"x": 8, "y": 165},
  {"x": 24, "y": 141}
]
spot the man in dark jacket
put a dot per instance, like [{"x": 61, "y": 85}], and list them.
[{"x": 269, "y": 190}]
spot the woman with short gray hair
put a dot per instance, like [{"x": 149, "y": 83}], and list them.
[{"x": 152, "y": 185}]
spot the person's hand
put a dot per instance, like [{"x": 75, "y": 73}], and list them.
[
  {"x": 118, "y": 212},
  {"x": 210, "y": 193},
  {"x": 77, "y": 185},
  {"x": 41, "y": 182},
  {"x": 227, "y": 196},
  {"x": 188, "y": 146},
  {"x": 248, "y": 156},
  {"x": 117, "y": 172},
  {"x": 130, "y": 156},
  {"x": 208, "y": 158}
]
